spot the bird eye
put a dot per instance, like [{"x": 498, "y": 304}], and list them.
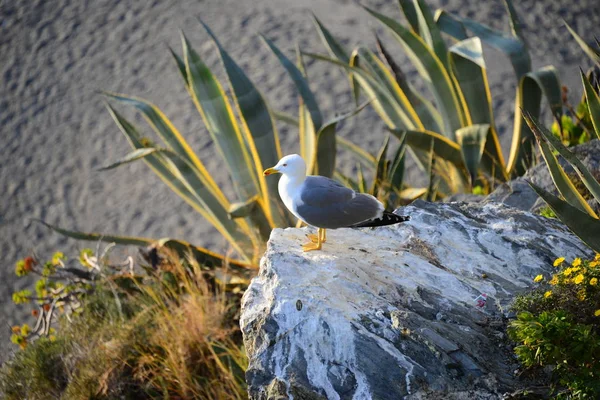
[{"x": 285, "y": 165}]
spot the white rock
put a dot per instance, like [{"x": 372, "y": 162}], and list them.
[{"x": 389, "y": 312}]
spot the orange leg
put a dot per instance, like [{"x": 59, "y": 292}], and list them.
[
  {"x": 315, "y": 238},
  {"x": 312, "y": 245}
]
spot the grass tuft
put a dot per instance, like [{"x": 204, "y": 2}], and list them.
[{"x": 172, "y": 334}]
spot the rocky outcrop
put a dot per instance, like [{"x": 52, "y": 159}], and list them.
[{"x": 397, "y": 312}]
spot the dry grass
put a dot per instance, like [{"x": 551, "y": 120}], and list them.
[
  {"x": 175, "y": 335},
  {"x": 192, "y": 351}
]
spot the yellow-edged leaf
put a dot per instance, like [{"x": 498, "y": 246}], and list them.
[
  {"x": 203, "y": 256},
  {"x": 582, "y": 224},
  {"x": 532, "y": 86},
  {"x": 217, "y": 114},
  {"x": 432, "y": 70},
  {"x": 593, "y": 102},
  {"x": 586, "y": 176},
  {"x": 259, "y": 130},
  {"x": 199, "y": 196}
]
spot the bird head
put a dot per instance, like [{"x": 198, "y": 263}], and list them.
[{"x": 291, "y": 165}]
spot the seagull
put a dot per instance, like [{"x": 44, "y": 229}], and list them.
[{"x": 324, "y": 203}]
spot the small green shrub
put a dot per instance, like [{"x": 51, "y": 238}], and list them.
[
  {"x": 577, "y": 127},
  {"x": 479, "y": 191},
  {"x": 59, "y": 289},
  {"x": 547, "y": 212},
  {"x": 558, "y": 325},
  {"x": 572, "y": 132}
]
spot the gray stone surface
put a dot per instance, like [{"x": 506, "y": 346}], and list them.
[
  {"x": 54, "y": 131},
  {"x": 390, "y": 313}
]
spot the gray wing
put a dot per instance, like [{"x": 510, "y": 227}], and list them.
[
  {"x": 325, "y": 203},
  {"x": 320, "y": 191}
]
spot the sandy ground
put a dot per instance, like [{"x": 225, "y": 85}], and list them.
[{"x": 56, "y": 55}]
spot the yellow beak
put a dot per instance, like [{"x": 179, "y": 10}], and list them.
[{"x": 270, "y": 171}]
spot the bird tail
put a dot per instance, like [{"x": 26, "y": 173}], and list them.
[{"x": 387, "y": 218}]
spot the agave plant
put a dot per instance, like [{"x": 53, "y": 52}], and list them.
[
  {"x": 459, "y": 126},
  {"x": 388, "y": 177},
  {"x": 247, "y": 143},
  {"x": 573, "y": 210}
]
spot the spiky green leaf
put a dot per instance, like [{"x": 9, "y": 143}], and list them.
[
  {"x": 450, "y": 25},
  {"x": 203, "y": 256},
  {"x": 443, "y": 147},
  {"x": 586, "y": 176},
  {"x": 375, "y": 67},
  {"x": 133, "y": 156},
  {"x": 592, "y": 53},
  {"x": 286, "y": 118},
  {"x": 191, "y": 185},
  {"x": 380, "y": 170},
  {"x": 217, "y": 114},
  {"x": 430, "y": 32},
  {"x": 513, "y": 47},
  {"x": 300, "y": 82},
  {"x": 582, "y": 224},
  {"x": 326, "y": 143},
  {"x": 472, "y": 142},
  {"x": 384, "y": 102},
  {"x": 362, "y": 155},
  {"x": 593, "y": 102},
  {"x": 562, "y": 181},
  {"x": 428, "y": 114},
  {"x": 333, "y": 46},
  {"x": 258, "y": 127},
  {"x": 432, "y": 70},
  {"x": 469, "y": 70},
  {"x": 410, "y": 13},
  {"x": 306, "y": 128},
  {"x": 360, "y": 179},
  {"x": 532, "y": 86},
  {"x": 396, "y": 174},
  {"x": 514, "y": 21}
]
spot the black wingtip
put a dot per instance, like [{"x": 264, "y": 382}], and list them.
[{"x": 387, "y": 218}]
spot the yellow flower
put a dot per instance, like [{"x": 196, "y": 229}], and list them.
[
  {"x": 594, "y": 281},
  {"x": 538, "y": 278},
  {"x": 576, "y": 262},
  {"x": 578, "y": 279},
  {"x": 575, "y": 269},
  {"x": 567, "y": 271},
  {"x": 554, "y": 280},
  {"x": 559, "y": 261},
  {"x": 594, "y": 264},
  {"x": 597, "y": 258},
  {"x": 597, "y": 313},
  {"x": 581, "y": 295},
  {"x": 548, "y": 294}
]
